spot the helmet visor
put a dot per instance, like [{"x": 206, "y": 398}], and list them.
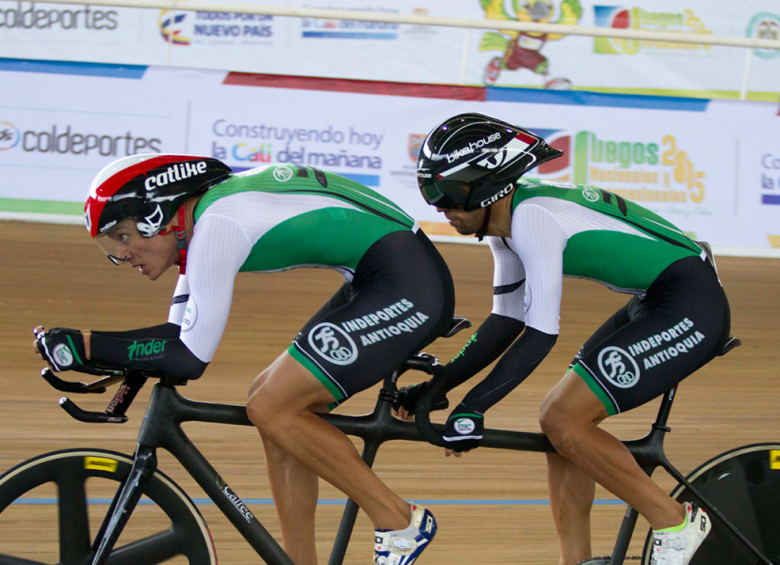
[
  {"x": 446, "y": 194},
  {"x": 117, "y": 242}
]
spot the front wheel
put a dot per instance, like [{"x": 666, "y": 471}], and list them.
[
  {"x": 52, "y": 507},
  {"x": 743, "y": 484}
]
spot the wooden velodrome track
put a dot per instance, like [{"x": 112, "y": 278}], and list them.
[{"x": 55, "y": 276}]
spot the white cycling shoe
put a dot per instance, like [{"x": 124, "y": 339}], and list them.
[
  {"x": 403, "y": 547},
  {"x": 677, "y": 548}
]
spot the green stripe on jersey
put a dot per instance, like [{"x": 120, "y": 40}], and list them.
[
  {"x": 333, "y": 237},
  {"x": 621, "y": 260},
  {"x": 288, "y": 179},
  {"x": 609, "y": 204}
]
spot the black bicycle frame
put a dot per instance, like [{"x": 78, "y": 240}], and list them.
[{"x": 167, "y": 410}]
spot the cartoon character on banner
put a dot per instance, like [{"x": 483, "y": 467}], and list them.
[{"x": 522, "y": 50}]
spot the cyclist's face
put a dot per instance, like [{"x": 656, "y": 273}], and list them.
[
  {"x": 465, "y": 223},
  {"x": 150, "y": 255}
]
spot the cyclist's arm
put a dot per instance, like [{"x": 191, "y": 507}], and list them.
[
  {"x": 163, "y": 331},
  {"x": 505, "y": 322},
  {"x": 186, "y": 344},
  {"x": 147, "y": 351},
  {"x": 519, "y": 361},
  {"x": 539, "y": 241}
]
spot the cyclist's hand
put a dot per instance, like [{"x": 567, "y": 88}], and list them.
[
  {"x": 408, "y": 396},
  {"x": 62, "y": 348},
  {"x": 463, "y": 431}
]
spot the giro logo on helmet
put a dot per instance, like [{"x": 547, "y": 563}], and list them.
[
  {"x": 498, "y": 196},
  {"x": 333, "y": 344},
  {"x": 175, "y": 173}
]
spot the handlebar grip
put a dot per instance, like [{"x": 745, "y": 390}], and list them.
[
  {"x": 422, "y": 411},
  {"x": 89, "y": 417},
  {"x": 69, "y": 386}
]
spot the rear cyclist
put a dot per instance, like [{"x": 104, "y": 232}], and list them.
[
  {"x": 156, "y": 211},
  {"x": 469, "y": 167}
]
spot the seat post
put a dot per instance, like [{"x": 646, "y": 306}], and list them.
[{"x": 665, "y": 408}]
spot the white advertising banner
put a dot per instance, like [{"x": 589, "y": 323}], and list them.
[
  {"x": 422, "y": 54},
  {"x": 710, "y": 167}
]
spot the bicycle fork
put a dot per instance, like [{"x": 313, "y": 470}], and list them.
[{"x": 125, "y": 501}]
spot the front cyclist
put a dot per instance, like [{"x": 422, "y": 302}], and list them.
[
  {"x": 156, "y": 211},
  {"x": 469, "y": 167}
]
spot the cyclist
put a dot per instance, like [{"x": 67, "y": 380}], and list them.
[
  {"x": 469, "y": 167},
  {"x": 155, "y": 211}
]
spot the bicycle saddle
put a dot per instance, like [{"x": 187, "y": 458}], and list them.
[{"x": 730, "y": 344}]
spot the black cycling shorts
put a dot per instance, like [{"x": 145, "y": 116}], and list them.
[
  {"x": 653, "y": 343},
  {"x": 400, "y": 300}
]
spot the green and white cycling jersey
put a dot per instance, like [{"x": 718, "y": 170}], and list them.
[
  {"x": 272, "y": 219},
  {"x": 562, "y": 229}
]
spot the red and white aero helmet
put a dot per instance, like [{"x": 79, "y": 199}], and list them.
[{"x": 149, "y": 188}]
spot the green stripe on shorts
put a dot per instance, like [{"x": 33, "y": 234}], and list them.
[
  {"x": 596, "y": 388},
  {"x": 316, "y": 371}
]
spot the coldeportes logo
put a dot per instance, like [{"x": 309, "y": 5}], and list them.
[
  {"x": 765, "y": 26},
  {"x": 70, "y": 141},
  {"x": 29, "y": 16},
  {"x": 619, "y": 17},
  {"x": 9, "y": 136}
]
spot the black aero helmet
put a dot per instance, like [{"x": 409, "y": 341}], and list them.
[{"x": 472, "y": 160}]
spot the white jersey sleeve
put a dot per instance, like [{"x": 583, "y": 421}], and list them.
[
  {"x": 215, "y": 254},
  {"x": 179, "y": 303},
  {"x": 539, "y": 241},
  {"x": 508, "y": 280}
]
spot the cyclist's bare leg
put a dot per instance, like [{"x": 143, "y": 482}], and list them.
[
  {"x": 279, "y": 406},
  {"x": 571, "y": 499},
  {"x": 570, "y": 413},
  {"x": 295, "y": 490}
]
